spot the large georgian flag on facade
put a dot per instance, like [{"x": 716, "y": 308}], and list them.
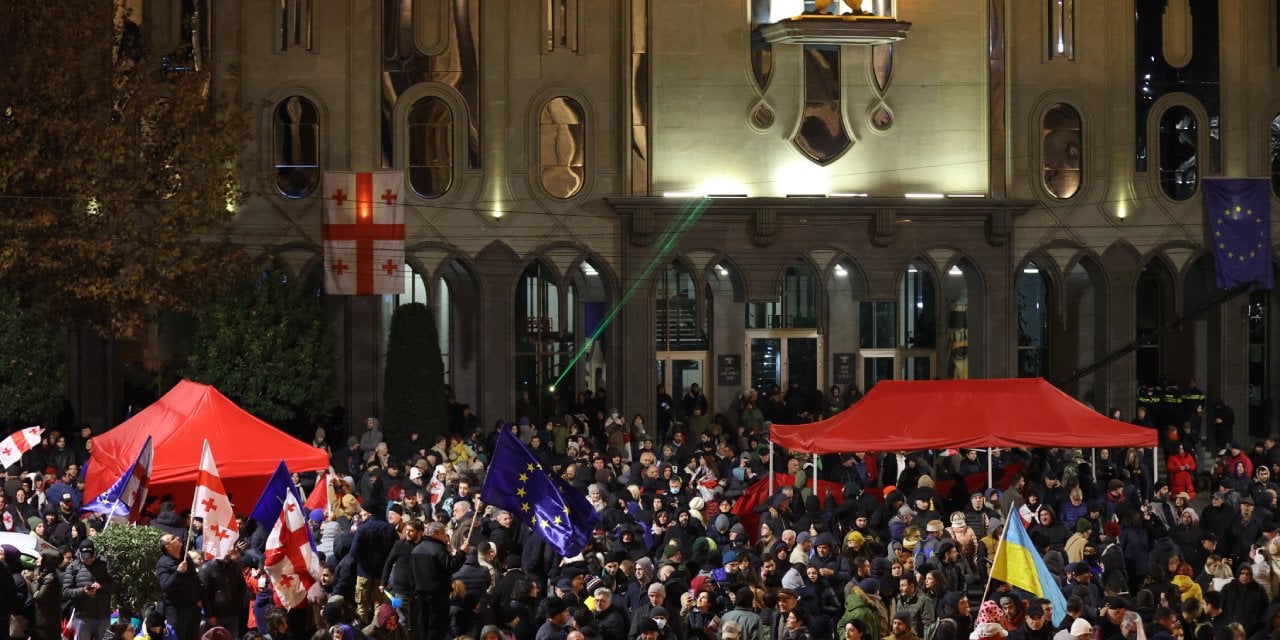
[
  {"x": 212, "y": 505},
  {"x": 363, "y": 233},
  {"x": 18, "y": 443}
]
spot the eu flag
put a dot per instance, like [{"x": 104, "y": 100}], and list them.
[
  {"x": 1239, "y": 213},
  {"x": 517, "y": 483}
]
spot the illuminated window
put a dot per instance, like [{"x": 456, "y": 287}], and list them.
[
  {"x": 1179, "y": 160},
  {"x": 562, "y": 134},
  {"x": 430, "y": 147},
  {"x": 297, "y": 147},
  {"x": 1060, "y": 137}
]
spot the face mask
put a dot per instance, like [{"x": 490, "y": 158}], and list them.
[{"x": 662, "y": 622}]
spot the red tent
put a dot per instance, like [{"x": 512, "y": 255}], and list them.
[
  {"x": 246, "y": 449},
  {"x": 941, "y": 414}
]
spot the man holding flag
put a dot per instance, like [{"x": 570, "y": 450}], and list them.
[
  {"x": 290, "y": 560},
  {"x": 180, "y": 588},
  {"x": 1018, "y": 563}
]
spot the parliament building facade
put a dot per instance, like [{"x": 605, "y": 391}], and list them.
[{"x": 616, "y": 195}]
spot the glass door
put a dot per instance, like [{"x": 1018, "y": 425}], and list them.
[
  {"x": 678, "y": 371},
  {"x": 782, "y": 358}
]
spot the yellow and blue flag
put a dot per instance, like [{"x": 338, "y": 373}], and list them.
[
  {"x": 1019, "y": 564},
  {"x": 1239, "y": 215},
  {"x": 550, "y": 506}
]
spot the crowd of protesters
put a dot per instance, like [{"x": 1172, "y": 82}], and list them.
[{"x": 901, "y": 551}]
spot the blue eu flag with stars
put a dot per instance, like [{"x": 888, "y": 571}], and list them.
[
  {"x": 1239, "y": 213},
  {"x": 517, "y": 483}
]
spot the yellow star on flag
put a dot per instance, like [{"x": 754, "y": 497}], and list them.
[
  {"x": 1237, "y": 208},
  {"x": 1217, "y": 234},
  {"x": 557, "y": 520},
  {"x": 520, "y": 492},
  {"x": 566, "y": 509},
  {"x": 524, "y": 477},
  {"x": 524, "y": 506},
  {"x": 531, "y": 466}
]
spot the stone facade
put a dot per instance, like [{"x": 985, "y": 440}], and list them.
[{"x": 580, "y": 130}]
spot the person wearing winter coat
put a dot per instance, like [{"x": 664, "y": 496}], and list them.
[
  {"x": 1182, "y": 471},
  {"x": 87, "y": 585},
  {"x": 46, "y": 594}
]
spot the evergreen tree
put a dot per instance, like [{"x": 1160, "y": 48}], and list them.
[
  {"x": 413, "y": 387},
  {"x": 32, "y": 366},
  {"x": 267, "y": 346}
]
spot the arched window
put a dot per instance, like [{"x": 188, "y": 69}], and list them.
[
  {"x": 430, "y": 147},
  {"x": 1275, "y": 155},
  {"x": 562, "y": 137},
  {"x": 297, "y": 146},
  {"x": 676, "y": 318},
  {"x": 1033, "y": 322},
  {"x": 1179, "y": 166},
  {"x": 918, "y": 308},
  {"x": 544, "y": 339},
  {"x": 797, "y": 308},
  {"x": 1148, "y": 316},
  {"x": 1060, "y": 138}
]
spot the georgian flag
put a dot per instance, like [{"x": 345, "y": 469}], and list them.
[
  {"x": 18, "y": 443},
  {"x": 435, "y": 488},
  {"x": 290, "y": 561},
  {"x": 363, "y": 233},
  {"x": 123, "y": 500},
  {"x": 212, "y": 505},
  {"x": 323, "y": 494}
]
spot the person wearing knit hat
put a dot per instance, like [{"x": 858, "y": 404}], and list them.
[
  {"x": 900, "y": 627},
  {"x": 557, "y": 617},
  {"x": 1081, "y": 629},
  {"x": 1075, "y": 545}
]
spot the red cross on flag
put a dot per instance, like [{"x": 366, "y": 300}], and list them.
[
  {"x": 290, "y": 561},
  {"x": 363, "y": 233},
  {"x": 213, "y": 507},
  {"x": 18, "y": 443}
]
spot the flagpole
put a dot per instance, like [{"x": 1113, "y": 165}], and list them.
[
  {"x": 191, "y": 521},
  {"x": 1003, "y": 535}
]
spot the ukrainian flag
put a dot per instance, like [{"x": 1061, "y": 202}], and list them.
[{"x": 1019, "y": 564}]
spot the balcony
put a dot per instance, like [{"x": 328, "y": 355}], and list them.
[{"x": 827, "y": 29}]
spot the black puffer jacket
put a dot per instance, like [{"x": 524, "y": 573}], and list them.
[{"x": 78, "y": 576}]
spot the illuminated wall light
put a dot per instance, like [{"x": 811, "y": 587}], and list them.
[
  {"x": 723, "y": 188},
  {"x": 1122, "y": 210},
  {"x": 724, "y": 273},
  {"x": 955, "y": 271},
  {"x": 922, "y": 195},
  {"x": 912, "y": 270},
  {"x": 840, "y": 271},
  {"x": 966, "y": 195},
  {"x": 589, "y": 270},
  {"x": 680, "y": 194},
  {"x": 847, "y": 195},
  {"x": 1031, "y": 269}
]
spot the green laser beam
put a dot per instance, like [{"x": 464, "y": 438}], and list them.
[{"x": 684, "y": 219}]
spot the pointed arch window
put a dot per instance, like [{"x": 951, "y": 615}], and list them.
[
  {"x": 676, "y": 315},
  {"x": 296, "y": 129},
  {"x": 918, "y": 308},
  {"x": 796, "y": 307},
  {"x": 1033, "y": 322},
  {"x": 544, "y": 338}
]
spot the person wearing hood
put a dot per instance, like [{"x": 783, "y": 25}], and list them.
[
  {"x": 859, "y": 605},
  {"x": 954, "y": 620},
  {"x": 833, "y": 568}
]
